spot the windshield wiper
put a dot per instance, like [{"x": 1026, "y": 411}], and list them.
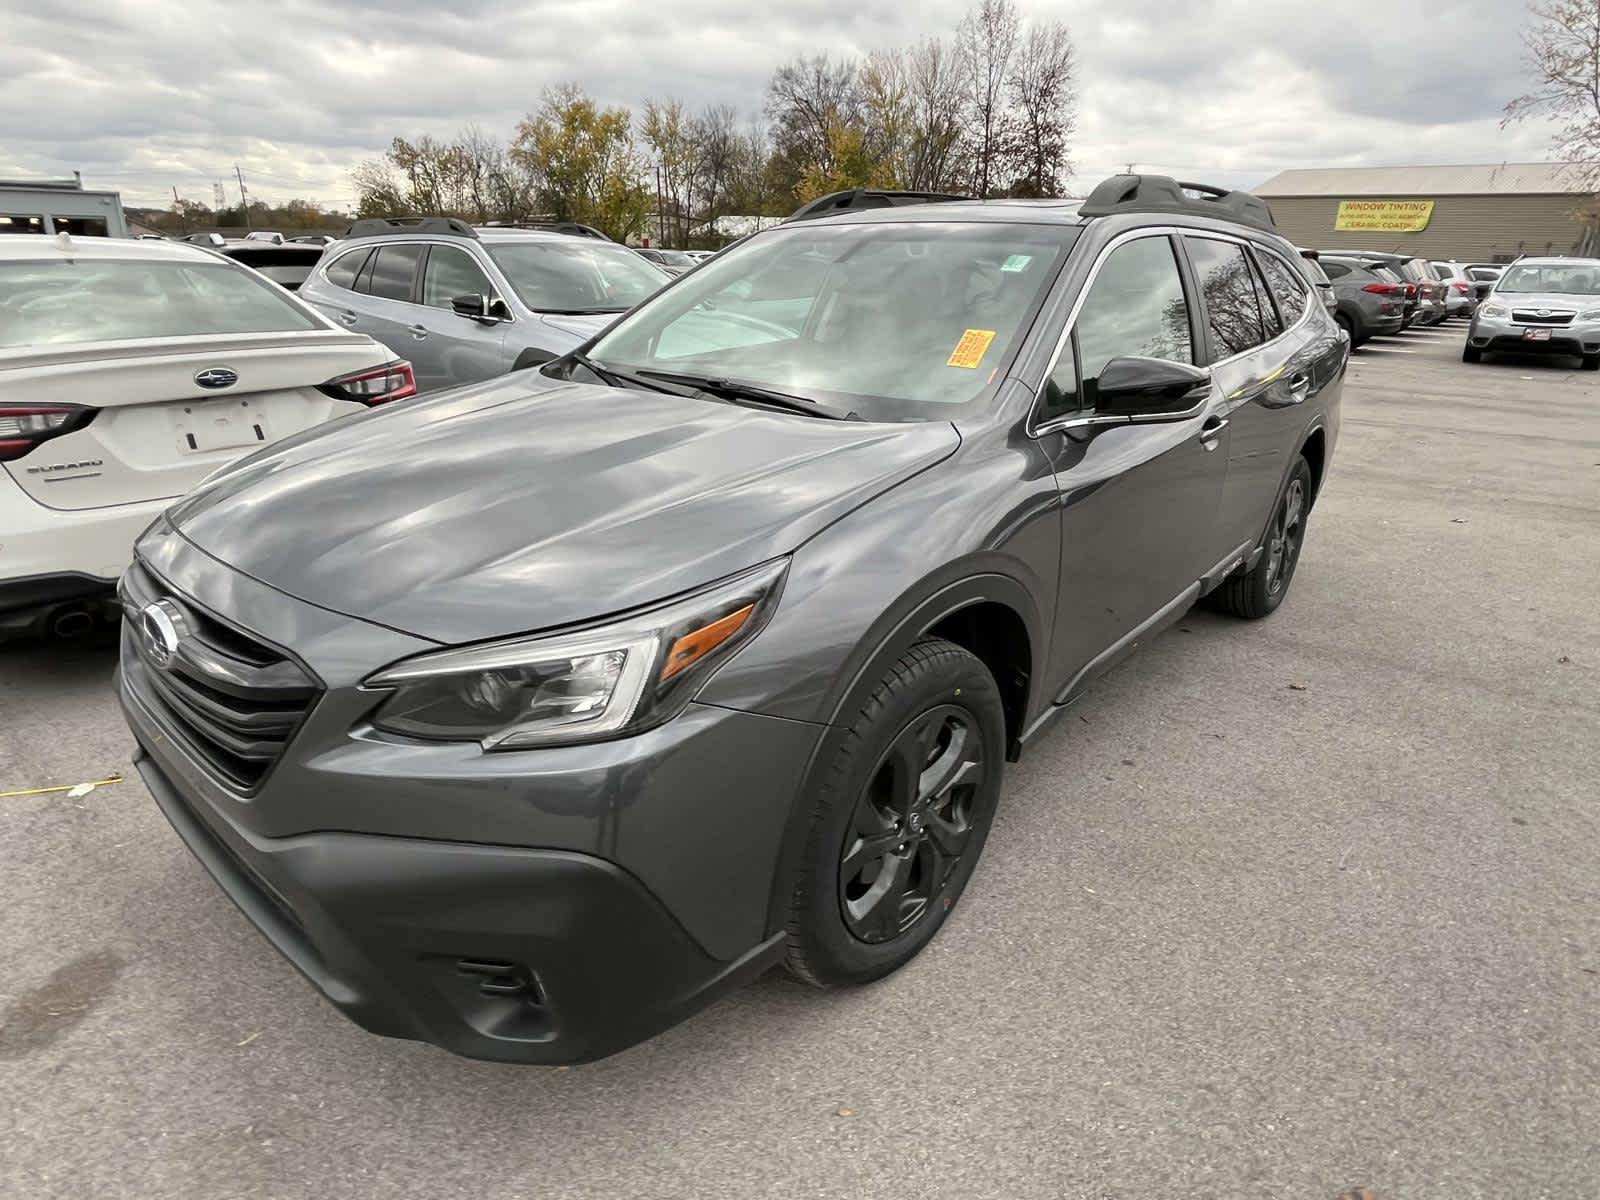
[
  {"x": 615, "y": 378},
  {"x": 733, "y": 389}
]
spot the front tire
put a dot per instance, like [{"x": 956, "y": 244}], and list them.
[
  {"x": 1259, "y": 592},
  {"x": 1471, "y": 354},
  {"x": 901, "y": 815}
]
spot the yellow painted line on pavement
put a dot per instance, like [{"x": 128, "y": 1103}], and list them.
[{"x": 65, "y": 787}]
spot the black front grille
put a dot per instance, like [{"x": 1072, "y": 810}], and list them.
[
  {"x": 1530, "y": 316},
  {"x": 235, "y": 700}
]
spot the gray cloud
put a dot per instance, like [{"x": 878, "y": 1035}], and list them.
[{"x": 146, "y": 97}]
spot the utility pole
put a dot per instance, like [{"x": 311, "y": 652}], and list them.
[
  {"x": 661, "y": 217},
  {"x": 177, "y": 207},
  {"x": 244, "y": 199}
]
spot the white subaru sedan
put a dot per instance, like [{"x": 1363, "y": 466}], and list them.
[{"x": 129, "y": 371}]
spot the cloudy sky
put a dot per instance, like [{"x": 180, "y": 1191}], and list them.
[{"x": 144, "y": 97}]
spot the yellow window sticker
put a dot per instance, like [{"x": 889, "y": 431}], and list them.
[{"x": 969, "y": 351}]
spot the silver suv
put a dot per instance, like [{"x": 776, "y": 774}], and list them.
[{"x": 464, "y": 304}]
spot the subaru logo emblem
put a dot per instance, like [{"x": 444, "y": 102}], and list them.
[
  {"x": 217, "y": 377},
  {"x": 1543, "y": 312},
  {"x": 161, "y": 628}
]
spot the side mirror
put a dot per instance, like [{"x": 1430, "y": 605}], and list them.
[
  {"x": 474, "y": 307},
  {"x": 1150, "y": 389}
]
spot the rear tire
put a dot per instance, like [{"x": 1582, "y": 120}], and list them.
[
  {"x": 1348, "y": 326},
  {"x": 901, "y": 814},
  {"x": 1471, "y": 354},
  {"x": 1259, "y": 591}
]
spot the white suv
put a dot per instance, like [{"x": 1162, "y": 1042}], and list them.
[{"x": 129, "y": 371}]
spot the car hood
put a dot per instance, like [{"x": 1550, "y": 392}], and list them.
[
  {"x": 526, "y": 503},
  {"x": 1554, "y": 301},
  {"x": 578, "y": 327}
]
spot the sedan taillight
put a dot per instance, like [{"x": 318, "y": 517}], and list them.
[
  {"x": 392, "y": 381},
  {"x": 24, "y": 426}
]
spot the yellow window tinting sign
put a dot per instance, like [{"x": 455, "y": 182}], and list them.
[
  {"x": 1384, "y": 216},
  {"x": 969, "y": 351}
]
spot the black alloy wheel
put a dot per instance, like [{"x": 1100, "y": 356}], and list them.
[
  {"x": 911, "y": 824},
  {"x": 1283, "y": 544}
]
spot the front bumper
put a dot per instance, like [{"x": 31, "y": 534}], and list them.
[
  {"x": 494, "y": 952},
  {"x": 1500, "y": 335}
]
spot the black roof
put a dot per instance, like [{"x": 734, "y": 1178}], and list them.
[
  {"x": 383, "y": 226},
  {"x": 856, "y": 199},
  {"x": 1163, "y": 194}
]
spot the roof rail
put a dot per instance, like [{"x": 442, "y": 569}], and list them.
[
  {"x": 1163, "y": 194},
  {"x": 379, "y": 226},
  {"x": 571, "y": 228},
  {"x": 858, "y": 199}
]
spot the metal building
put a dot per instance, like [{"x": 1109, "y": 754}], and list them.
[
  {"x": 1485, "y": 213},
  {"x": 60, "y": 206}
]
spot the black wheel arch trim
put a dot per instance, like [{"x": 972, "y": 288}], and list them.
[{"x": 918, "y": 611}]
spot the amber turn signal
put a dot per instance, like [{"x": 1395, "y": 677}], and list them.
[{"x": 693, "y": 646}]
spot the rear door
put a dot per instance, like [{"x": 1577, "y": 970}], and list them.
[
  {"x": 168, "y": 405},
  {"x": 387, "y": 288},
  {"x": 1270, "y": 358},
  {"x": 451, "y": 349},
  {"x": 332, "y": 289}
]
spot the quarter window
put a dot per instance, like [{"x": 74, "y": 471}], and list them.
[
  {"x": 452, "y": 272},
  {"x": 393, "y": 270},
  {"x": 343, "y": 270},
  {"x": 1233, "y": 304},
  {"x": 1285, "y": 284},
  {"x": 1135, "y": 307}
]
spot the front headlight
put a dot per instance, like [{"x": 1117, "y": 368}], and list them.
[
  {"x": 584, "y": 686},
  {"x": 1495, "y": 312},
  {"x": 1592, "y": 315}
]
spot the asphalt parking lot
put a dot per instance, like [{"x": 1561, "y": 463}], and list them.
[{"x": 1279, "y": 910}]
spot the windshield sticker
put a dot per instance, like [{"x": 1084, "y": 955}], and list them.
[
  {"x": 1017, "y": 262},
  {"x": 969, "y": 351}
]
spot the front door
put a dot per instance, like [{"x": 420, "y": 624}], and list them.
[
  {"x": 1139, "y": 501},
  {"x": 453, "y": 349}
]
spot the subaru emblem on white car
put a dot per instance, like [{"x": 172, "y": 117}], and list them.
[
  {"x": 161, "y": 626},
  {"x": 217, "y": 377}
]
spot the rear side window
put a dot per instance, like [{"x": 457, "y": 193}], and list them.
[
  {"x": 343, "y": 270},
  {"x": 452, "y": 272},
  {"x": 1334, "y": 270},
  {"x": 1285, "y": 284},
  {"x": 394, "y": 271},
  {"x": 1233, "y": 304},
  {"x": 1136, "y": 306},
  {"x": 72, "y": 301}
]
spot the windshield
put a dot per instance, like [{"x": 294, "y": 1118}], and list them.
[
  {"x": 1575, "y": 279},
  {"x": 890, "y": 321},
  {"x": 576, "y": 275},
  {"x": 65, "y": 301}
]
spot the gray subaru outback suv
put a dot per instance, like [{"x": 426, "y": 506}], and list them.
[
  {"x": 463, "y": 304},
  {"x": 527, "y": 718}
]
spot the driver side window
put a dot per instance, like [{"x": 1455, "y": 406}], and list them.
[{"x": 1135, "y": 307}]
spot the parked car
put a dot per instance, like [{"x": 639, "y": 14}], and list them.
[
  {"x": 287, "y": 264},
  {"x": 673, "y": 262},
  {"x": 465, "y": 304},
  {"x": 1422, "y": 284},
  {"x": 314, "y": 239},
  {"x": 1460, "y": 291},
  {"x": 1541, "y": 306},
  {"x": 129, "y": 370},
  {"x": 578, "y": 697},
  {"x": 1371, "y": 300},
  {"x": 700, "y": 255},
  {"x": 1483, "y": 276},
  {"x": 263, "y": 235}
]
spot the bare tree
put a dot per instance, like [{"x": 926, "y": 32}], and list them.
[
  {"x": 937, "y": 83},
  {"x": 1563, "y": 49},
  {"x": 986, "y": 40},
  {"x": 808, "y": 102},
  {"x": 1043, "y": 103},
  {"x": 887, "y": 113}
]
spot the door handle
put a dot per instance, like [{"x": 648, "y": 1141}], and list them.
[
  {"x": 1299, "y": 387},
  {"x": 1211, "y": 431},
  {"x": 418, "y": 331},
  {"x": 347, "y": 318}
]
